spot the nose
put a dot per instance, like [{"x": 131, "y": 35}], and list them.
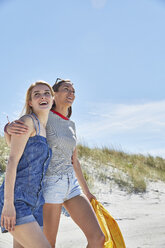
[{"x": 43, "y": 95}]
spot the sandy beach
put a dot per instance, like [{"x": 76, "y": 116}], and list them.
[{"x": 141, "y": 218}]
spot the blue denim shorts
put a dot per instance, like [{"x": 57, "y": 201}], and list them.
[
  {"x": 25, "y": 213},
  {"x": 58, "y": 189}
]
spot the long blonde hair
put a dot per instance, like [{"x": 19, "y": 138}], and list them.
[{"x": 27, "y": 108}]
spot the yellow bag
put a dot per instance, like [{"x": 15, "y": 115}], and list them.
[{"x": 110, "y": 228}]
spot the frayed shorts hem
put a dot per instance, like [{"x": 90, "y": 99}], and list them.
[
  {"x": 60, "y": 188},
  {"x": 55, "y": 201}
]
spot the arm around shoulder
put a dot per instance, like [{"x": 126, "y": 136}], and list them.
[{"x": 16, "y": 127}]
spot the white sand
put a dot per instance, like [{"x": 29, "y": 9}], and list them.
[{"x": 141, "y": 219}]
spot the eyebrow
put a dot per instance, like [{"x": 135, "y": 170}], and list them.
[
  {"x": 36, "y": 91},
  {"x": 65, "y": 85}
]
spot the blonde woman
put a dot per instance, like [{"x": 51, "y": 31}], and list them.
[
  {"x": 61, "y": 185},
  {"x": 21, "y": 194}
]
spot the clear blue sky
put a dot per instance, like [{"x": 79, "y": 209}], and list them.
[{"x": 113, "y": 51}]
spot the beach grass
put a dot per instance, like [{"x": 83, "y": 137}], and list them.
[
  {"x": 131, "y": 172},
  {"x": 4, "y": 152}
]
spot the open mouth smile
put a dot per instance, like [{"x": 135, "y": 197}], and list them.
[
  {"x": 43, "y": 103},
  {"x": 70, "y": 98}
]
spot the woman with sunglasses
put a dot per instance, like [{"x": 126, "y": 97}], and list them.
[
  {"x": 61, "y": 185},
  {"x": 21, "y": 194}
]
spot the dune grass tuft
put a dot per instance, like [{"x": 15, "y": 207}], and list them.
[
  {"x": 4, "y": 152},
  {"x": 130, "y": 171}
]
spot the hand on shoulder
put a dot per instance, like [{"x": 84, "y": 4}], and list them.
[
  {"x": 16, "y": 127},
  {"x": 28, "y": 122}
]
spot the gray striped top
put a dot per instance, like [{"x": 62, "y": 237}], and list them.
[{"x": 61, "y": 137}]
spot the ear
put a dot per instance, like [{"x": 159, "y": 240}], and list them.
[{"x": 30, "y": 103}]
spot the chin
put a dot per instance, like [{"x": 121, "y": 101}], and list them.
[
  {"x": 45, "y": 108},
  {"x": 69, "y": 104}
]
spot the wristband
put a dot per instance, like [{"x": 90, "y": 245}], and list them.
[{"x": 5, "y": 128}]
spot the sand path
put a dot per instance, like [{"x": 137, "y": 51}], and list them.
[{"x": 141, "y": 219}]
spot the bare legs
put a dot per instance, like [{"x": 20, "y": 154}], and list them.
[
  {"x": 51, "y": 215},
  {"x": 16, "y": 244},
  {"x": 82, "y": 213},
  {"x": 29, "y": 235}
]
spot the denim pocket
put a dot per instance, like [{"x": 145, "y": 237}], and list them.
[{"x": 51, "y": 180}]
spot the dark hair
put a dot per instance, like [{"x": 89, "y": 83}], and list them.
[{"x": 55, "y": 87}]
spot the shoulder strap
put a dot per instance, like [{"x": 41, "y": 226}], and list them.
[
  {"x": 35, "y": 123},
  {"x": 38, "y": 123}
]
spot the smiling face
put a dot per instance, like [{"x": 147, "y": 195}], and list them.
[
  {"x": 41, "y": 98},
  {"x": 65, "y": 94}
]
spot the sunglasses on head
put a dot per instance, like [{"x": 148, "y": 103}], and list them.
[{"x": 59, "y": 80}]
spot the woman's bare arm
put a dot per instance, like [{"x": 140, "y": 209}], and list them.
[
  {"x": 17, "y": 127},
  {"x": 80, "y": 177},
  {"x": 18, "y": 144},
  {"x": 7, "y": 138}
]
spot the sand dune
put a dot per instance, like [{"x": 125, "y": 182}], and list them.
[{"x": 141, "y": 219}]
